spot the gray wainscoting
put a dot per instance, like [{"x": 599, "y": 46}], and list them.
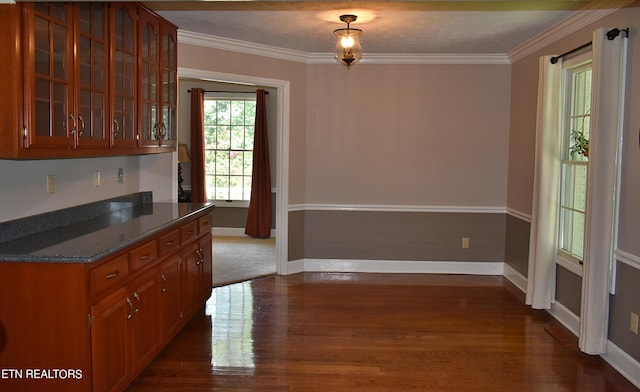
[{"x": 416, "y": 236}]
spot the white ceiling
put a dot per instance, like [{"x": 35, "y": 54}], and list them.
[{"x": 389, "y": 27}]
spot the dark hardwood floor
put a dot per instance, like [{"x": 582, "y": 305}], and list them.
[{"x": 374, "y": 332}]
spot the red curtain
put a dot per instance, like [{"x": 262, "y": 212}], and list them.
[
  {"x": 198, "y": 188},
  {"x": 259, "y": 215}
]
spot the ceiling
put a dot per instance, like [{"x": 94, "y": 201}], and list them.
[{"x": 389, "y": 27}]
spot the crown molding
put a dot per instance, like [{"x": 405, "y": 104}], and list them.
[
  {"x": 416, "y": 58},
  {"x": 233, "y": 45},
  {"x": 209, "y": 41},
  {"x": 569, "y": 25}
]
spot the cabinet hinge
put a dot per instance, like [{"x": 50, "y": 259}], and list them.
[{"x": 90, "y": 321}]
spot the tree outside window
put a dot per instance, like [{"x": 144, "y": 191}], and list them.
[{"x": 228, "y": 132}]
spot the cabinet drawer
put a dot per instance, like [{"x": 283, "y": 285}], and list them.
[
  {"x": 189, "y": 231},
  {"x": 109, "y": 274},
  {"x": 168, "y": 242},
  {"x": 204, "y": 224},
  {"x": 143, "y": 255}
]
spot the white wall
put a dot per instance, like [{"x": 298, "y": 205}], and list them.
[{"x": 23, "y": 190}]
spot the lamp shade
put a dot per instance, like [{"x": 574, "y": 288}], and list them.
[
  {"x": 348, "y": 49},
  {"x": 183, "y": 154}
]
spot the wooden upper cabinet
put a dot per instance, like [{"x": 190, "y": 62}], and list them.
[
  {"x": 91, "y": 76},
  {"x": 157, "y": 80},
  {"x": 66, "y": 57},
  {"x": 50, "y": 118},
  {"x": 87, "y": 80},
  {"x": 123, "y": 75}
]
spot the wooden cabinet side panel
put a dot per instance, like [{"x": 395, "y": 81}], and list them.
[
  {"x": 44, "y": 324},
  {"x": 11, "y": 82}
]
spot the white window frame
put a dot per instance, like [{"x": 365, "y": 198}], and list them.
[{"x": 564, "y": 258}]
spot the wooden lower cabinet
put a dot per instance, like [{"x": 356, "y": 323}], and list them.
[
  {"x": 143, "y": 334},
  {"x": 115, "y": 317},
  {"x": 206, "y": 274},
  {"x": 197, "y": 275},
  {"x": 109, "y": 341},
  {"x": 169, "y": 297}
]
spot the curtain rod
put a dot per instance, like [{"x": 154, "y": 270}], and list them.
[
  {"x": 611, "y": 35},
  {"x": 226, "y": 92}
]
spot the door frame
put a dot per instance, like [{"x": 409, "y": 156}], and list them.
[{"x": 282, "y": 148}]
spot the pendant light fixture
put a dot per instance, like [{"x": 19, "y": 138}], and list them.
[{"x": 348, "y": 50}]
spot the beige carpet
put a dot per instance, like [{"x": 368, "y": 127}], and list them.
[{"x": 236, "y": 259}]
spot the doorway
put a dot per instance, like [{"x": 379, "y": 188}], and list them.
[{"x": 281, "y": 159}]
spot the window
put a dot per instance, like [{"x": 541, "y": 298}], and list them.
[
  {"x": 575, "y": 157},
  {"x": 228, "y": 132}
]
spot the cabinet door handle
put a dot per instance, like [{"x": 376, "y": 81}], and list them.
[
  {"x": 145, "y": 257},
  {"x": 199, "y": 259},
  {"x": 164, "y": 283},
  {"x": 112, "y": 275},
  {"x": 130, "y": 309},
  {"x": 81, "y": 121},
  {"x": 74, "y": 126},
  {"x": 169, "y": 244},
  {"x": 137, "y": 297},
  {"x": 117, "y": 128}
]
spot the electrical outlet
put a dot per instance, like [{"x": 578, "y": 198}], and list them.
[
  {"x": 634, "y": 323},
  {"x": 51, "y": 184},
  {"x": 120, "y": 176},
  {"x": 465, "y": 242},
  {"x": 96, "y": 178}
]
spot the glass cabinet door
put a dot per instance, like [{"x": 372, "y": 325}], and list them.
[
  {"x": 50, "y": 118},
  {"x": 92, "y": 55},
  {"x": 169, "y": 86},
  {"x": 149, "y": 127},
  {"x": 123, "y": 71}
]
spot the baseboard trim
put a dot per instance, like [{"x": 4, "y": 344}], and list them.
[
  {"x": 623, "y": 363},
  {"x": 234, "y": 232},
  {"x": 294, "y": 267},
  {"x": 396, "y": 266},
  {"x": 515, "y": 277},
  {"x": 565, "y": 317}
]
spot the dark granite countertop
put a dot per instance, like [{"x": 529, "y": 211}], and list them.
[{"x": 91, "y": 238}]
